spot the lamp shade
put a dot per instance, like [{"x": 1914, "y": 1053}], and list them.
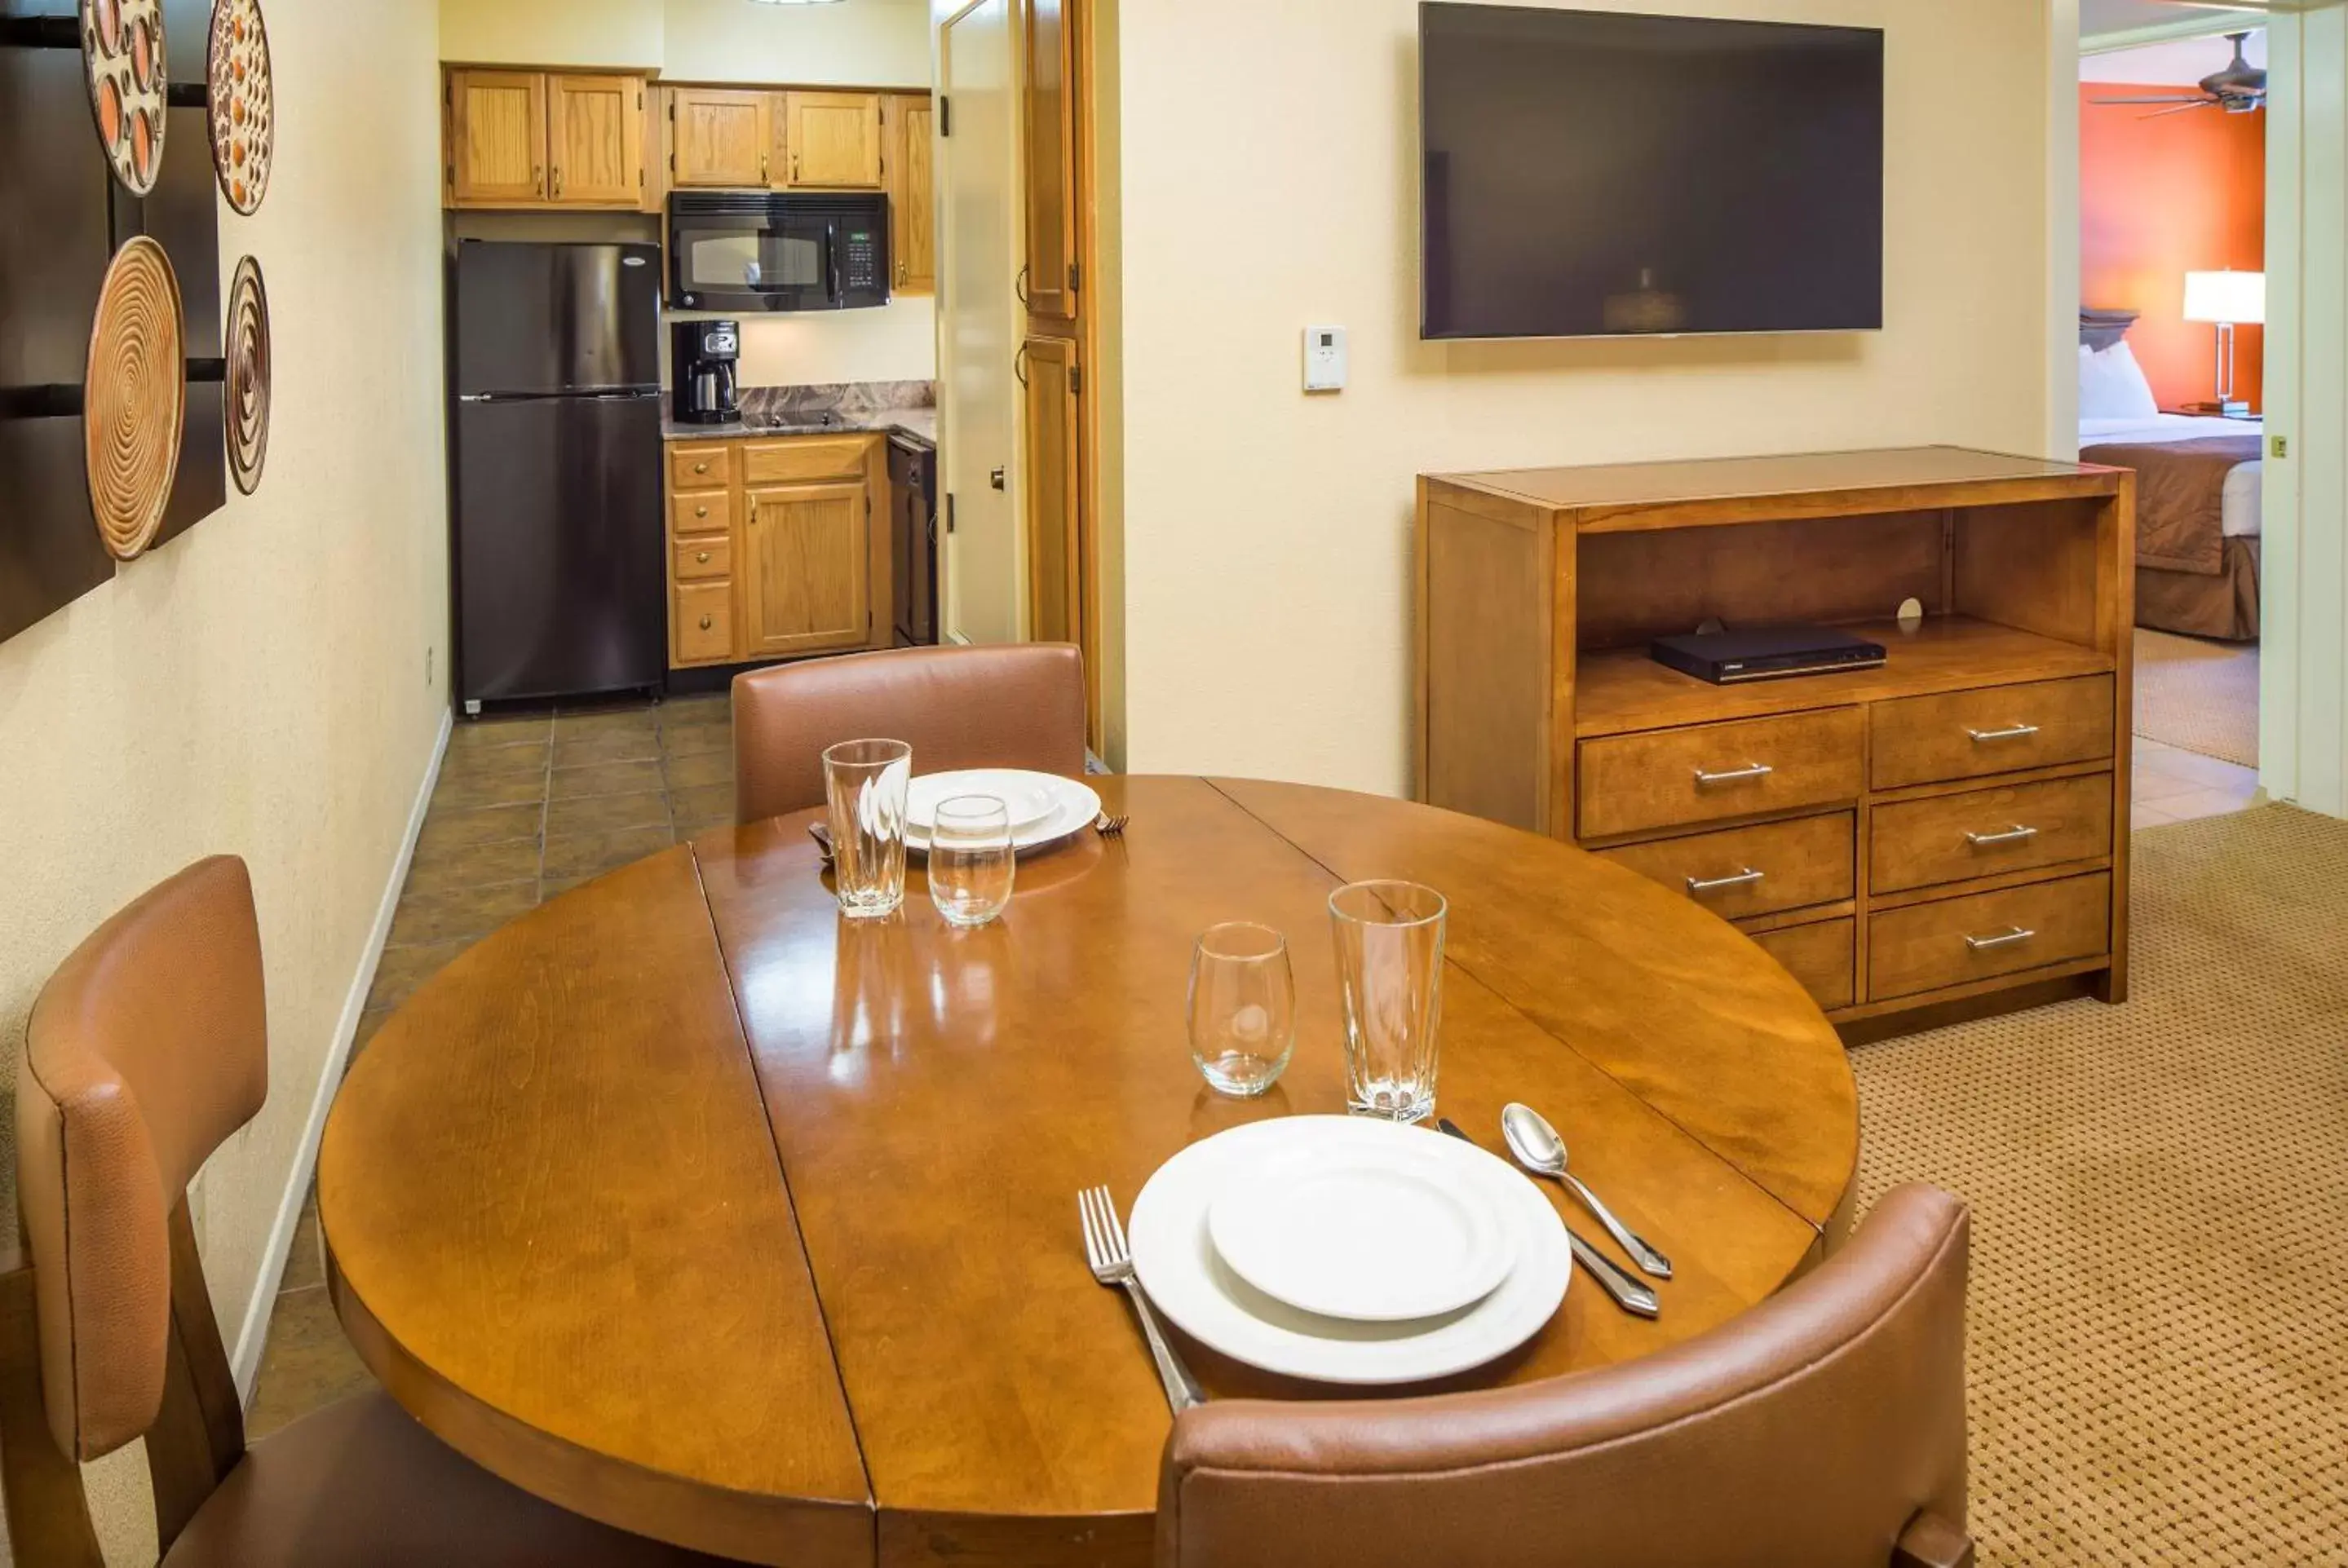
[{"x": 2240, "y": 298}]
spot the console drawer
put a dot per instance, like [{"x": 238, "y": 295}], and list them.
[
  {"x": 1739, "y": 872},
  {"x": 1928, "y": 946},
  {"x": 1994, "y": 729},
  {"x": 1677, "y": 778},
  {"x": 700, "y": 512},
  {"x": 1981, "y": 833},
  {"x": 1819, "y": 956},
  {"x": 700, "y": 465},
  {"x": 700, "y": 559},
  {"x": 703, "y": 622}
]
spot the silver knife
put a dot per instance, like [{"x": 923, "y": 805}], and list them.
[{"x": 1629, "y": 1295}]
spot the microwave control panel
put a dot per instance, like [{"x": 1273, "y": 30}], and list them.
[{"x": 860, "y": 260}]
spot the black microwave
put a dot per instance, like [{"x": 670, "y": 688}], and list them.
[{"x": 777, "y": 251}]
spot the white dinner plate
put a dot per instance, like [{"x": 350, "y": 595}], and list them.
[
  {"x": 1028, "y": 797},
  {"x": 1176, "y": 1258},
  {"x": 1377, "y": 1230},
  {"x": 1074, "y": 808}
]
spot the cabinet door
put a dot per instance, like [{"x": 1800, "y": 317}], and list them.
[
  {"x": 719, "y": 137},
  {"x": 912, "y": 193},
  {"x": 1052, "y": 490},
  {"x": 497, "y": 138},
  {"x": 1049, "y": 110},
  {"x": 834, "y": 139},
  {"x": 596, "y": 142},
  {"x": 805, "y": 583}
]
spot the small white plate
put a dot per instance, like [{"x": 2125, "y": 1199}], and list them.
[
  {"x": 1186, "y": 1277},
  {"x": 1074, "y": 807},
  {"x": 1028, "y": 797},
  {"x": 1393, "y": 1229}
]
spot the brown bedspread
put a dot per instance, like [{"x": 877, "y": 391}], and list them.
[{"x": 2180, "y": 497}]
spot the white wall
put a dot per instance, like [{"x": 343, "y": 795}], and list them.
[
  {"x": 1266, "y": 560},
  {"x": 898, "y": 341},
  {"x": 588, "y": 32},
  {"x": 853, "y": 43}
]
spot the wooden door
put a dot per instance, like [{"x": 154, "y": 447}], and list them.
[
  {"x": 912, "y": 192},
  {"x": 595, "y": 140},
  {"x": 806, "y": 586},
  {"x": 1050, "y": 384},
  {"x": 1048, "y": 115},
  {"x": 497, "y": 138},
  {"x": 834, "y": 139},
  {"x": 718, "y": 137}
]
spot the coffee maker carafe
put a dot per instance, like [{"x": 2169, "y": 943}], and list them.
[{"x": 702, "y": 357}]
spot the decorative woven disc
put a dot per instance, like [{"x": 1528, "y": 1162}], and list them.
[
  {"x": 248, "y": 376},
  {"x": 122, "y": 52},
  {"x": 136, "y": 397},
  {"x": 244, "y": 106}
]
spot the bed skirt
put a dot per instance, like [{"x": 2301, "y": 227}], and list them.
[{"x": 2225, "y": 606}]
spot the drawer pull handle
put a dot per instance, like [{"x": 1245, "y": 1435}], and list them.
[
  {"x": 2012, "y": 939},
  {"x": 701, "y": 511},
  {"x": 701, "y": 467},
  {"x": 1749, "y": 877},
  {"x": 2017, "y": 732},
  {"x": 1734, "y": 775},
  {"x": 708, "y": 621},
  {"x": 703, "y": 557},
  {"x": 2017, "y": 834}
]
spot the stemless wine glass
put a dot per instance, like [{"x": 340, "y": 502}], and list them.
[
  {"x": 1390, "y": 974},
  {"x": 1243, "y": 1009},
  {"x": 864, "y": 784},
  {"x": 971, "y": 864}
]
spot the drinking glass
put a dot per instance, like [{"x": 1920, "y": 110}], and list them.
[
  {"x": 1243, "y": 1009},
  {"x": 864, "y": 783},
  {"x": 972, "y": 865},
  {"x": 1390, "y": 975}
]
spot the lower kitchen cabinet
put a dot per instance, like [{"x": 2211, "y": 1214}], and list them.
[{"x": 805, "y": 588}]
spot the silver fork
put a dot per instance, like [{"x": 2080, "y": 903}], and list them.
[
  {"x": 1109, "y": 827},
  {"x": 1112, "y": 1263}
]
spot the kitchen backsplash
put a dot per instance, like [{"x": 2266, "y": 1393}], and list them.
[{"x": 839, "y": 397}]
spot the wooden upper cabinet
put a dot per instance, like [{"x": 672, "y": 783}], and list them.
[
  {"x": 1052, "y": 487},
  {"x": 719, "y": 137},
  {"x": 911, "y": 124},
  {"x": 497, "y": 138},
  {"x": 806, "y": 583},
  {"x": 833, "y": 140},
  {"x": 595, "y": 127},
  {"x": 1048, "y": 112}
]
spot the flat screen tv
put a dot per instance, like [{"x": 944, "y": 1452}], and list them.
[{"x": 1598, "y": 174}]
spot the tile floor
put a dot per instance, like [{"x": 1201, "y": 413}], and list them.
[{"x": 2175, "y": 785}]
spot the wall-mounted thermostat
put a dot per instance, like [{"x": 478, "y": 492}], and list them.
[{"x": 1325, "y": 359}]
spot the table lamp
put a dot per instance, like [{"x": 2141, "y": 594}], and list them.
[{"x": 2229, "y": 299}]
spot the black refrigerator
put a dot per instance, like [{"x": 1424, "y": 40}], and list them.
[{"x": 554, "y": 456}]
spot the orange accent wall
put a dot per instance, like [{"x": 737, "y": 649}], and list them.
[{"x": 2160, "y": 198}]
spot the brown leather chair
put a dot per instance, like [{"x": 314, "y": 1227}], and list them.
[
  {"x": 145, "y": 1050},
  {"x": 1825, "y": 1428},
  {"x": 1017, "y": 706}
]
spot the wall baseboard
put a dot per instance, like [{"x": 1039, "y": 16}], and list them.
[{"x": 254, "y": 1336}]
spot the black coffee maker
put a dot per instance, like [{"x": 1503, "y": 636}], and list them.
[{"x": 700, "y": 360}]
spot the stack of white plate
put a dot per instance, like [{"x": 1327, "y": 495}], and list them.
[
  {"x": 1045, "y": 808},
  {"x": 1349, "y": 1250}
]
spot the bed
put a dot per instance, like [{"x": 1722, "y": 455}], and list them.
[{"x": 2199, "y": 483}]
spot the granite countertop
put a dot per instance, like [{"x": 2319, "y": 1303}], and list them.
[
  {"x": 906, "y": 408},
  {"x": 918, "y": 423}
]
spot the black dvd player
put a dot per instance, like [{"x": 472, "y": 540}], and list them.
[{"x": 1765, "y": 653}]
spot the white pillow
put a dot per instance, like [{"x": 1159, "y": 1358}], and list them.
[{"x": 2112, "y": 386}]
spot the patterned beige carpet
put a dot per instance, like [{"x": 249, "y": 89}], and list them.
[
  {"x": 2198, "y": 695},
  {"x": 2159, "y": 1294}
]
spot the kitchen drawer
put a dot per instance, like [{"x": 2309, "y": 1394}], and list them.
[
  {"x": 704, "y": 622},
  {"x": 1677, "y": 778},
  {"x": 700, "y": 464},
  {"x": 700, "y": 559},
  {"x": 1740, "y": 872},
  {"x": 1982, "y": 832},
  {"x": 1821, "y": 956},
  {"x": 1928, "y": 946},
  {"x": 701, "y": 512},
  {"x": 807, "y": 457},
  {"x": 1994, "y": 730}
]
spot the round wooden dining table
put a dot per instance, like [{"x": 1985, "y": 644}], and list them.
[{"x": 686, "y": 1204}]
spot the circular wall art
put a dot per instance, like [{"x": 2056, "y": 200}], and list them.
[
  {"x": 244, "y": 107},
  {"x": 122, "y": 53},
  {"x": 136, "y": 397},
  {"x": 248, "y": 376}
]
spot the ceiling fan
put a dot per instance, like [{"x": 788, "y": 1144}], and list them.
[{"x": 2240, "y": 89}]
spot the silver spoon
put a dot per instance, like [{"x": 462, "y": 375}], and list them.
[{"x": 1539, "y": 1149}]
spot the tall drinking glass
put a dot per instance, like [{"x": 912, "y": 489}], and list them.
[
  {"x": 1243, "y": 1009},
  {"x": 864, "y": 783},
  {"x": 972, "y": 862},
  {"x": 1390, "y": 977}
]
